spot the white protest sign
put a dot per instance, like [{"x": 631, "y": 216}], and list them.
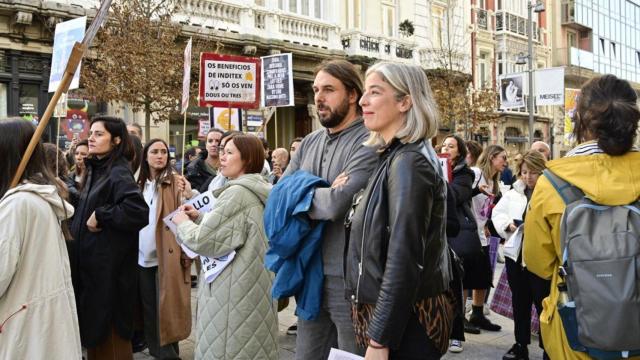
[
  {"x": 549, "y": 86},
  {"x": 277, "y": 80},
  {"x": 203, "y": 203},
  {"x": 186, "y": 77},
  {"x": 336, "y": 354},
  {"x": 66, "y": 35},
  {"x": 212, "y": 267},
  {"x": 229, "y": 81}
]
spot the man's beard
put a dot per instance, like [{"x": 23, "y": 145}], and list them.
[{"x": 336, "y": 116}]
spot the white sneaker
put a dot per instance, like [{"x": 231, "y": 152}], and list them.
[
  {"x": 456, "y": 346},
  {"x": 485, "y": 309}
]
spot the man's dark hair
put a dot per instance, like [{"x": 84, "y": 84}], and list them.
[{"x": 348, "y": 75}]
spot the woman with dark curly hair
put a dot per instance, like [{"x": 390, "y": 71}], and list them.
[{"x": 606, "y": 167}]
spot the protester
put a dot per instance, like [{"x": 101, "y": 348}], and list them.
[
  {"x": 486, "y": 188},
  {"x": 606, "y": 167},
  {"x": 164, "y": 270},
  {"x": 267, "y": 156},
  {"x": 526, "y": 288},
  {"x": 110, "y": 213},
  {"x": 295, "y": 144},
  {"x": 474, "y": 149},
  {"x": 135, "y": 130},
  {"x": 236, "y": 317},
  {"x": 81, "y": 151},
  {"x": 543, "y": 148},
  {"x": 204, "y": 168},
  {"x": 35, "y": 280},
  {"x": 55, "y": 161},
  {"x": 327, "y": 153},
  {"x": 467, "y": 243},
  {"x": 280, "y": 160},
  {"x": 403, "y": 308}
]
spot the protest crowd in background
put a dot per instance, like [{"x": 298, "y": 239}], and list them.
[{"x": 389, "y": 254}]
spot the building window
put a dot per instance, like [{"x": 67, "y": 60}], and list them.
[
  {"x": 261, "y": 2},
  {"x": 613, "y": 49},
  {"x": 311, "y": 8},
  {"x": 602, "y": 45},
  {"x": 354, "y": 13},
  {"x": 388, "y": 20},
  {"x": 437, "y": 22},
  {"x": 571, "y": 39},
  {"x": 638, "y": 57}
]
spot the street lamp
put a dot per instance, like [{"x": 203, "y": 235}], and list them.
[{"x": 537, "y": 7}]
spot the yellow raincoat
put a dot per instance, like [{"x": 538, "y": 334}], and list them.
[{"x": 608, "y": 180}]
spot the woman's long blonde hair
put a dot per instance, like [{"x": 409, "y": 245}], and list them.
[{"x": 484, "y": 163}]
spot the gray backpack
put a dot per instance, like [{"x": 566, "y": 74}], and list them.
[{"x": 601, "y": 268}]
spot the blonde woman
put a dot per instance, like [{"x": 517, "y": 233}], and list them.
[
  {"x": 526, "y": 288},
  {"x": 491, "y": 163},
  {"x": 397, "y": 264}
]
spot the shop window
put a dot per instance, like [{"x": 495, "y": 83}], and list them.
[{"x": 28, "y": 101}]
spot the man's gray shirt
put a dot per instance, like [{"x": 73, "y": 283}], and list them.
[{"x": 327, "y": 156}]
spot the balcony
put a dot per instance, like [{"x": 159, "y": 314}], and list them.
[
  {"x": 515, "y": 25},
  {"x": 355, "y": 43},
  {"x": 568, "y": 16},
  {"x": 574, "y": 57},
  {"x": 262, "y": 23}
]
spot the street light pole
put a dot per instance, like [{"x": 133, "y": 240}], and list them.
[{"x": 530, "y": 56}]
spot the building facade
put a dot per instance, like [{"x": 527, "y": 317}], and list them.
[{"x": 592, "y": 38}]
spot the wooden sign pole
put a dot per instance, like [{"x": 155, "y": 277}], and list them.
[{"x": 72, "y": 64}]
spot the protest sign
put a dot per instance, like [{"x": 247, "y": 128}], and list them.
[
  {"x": 277, "y": 80},
  {"x": 66, "y": 35},
  {"x": 229, "y": 81},
  {"x": 212, "y": 267}
]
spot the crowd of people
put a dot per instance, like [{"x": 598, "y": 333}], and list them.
[{"x": 386, "y": 253}]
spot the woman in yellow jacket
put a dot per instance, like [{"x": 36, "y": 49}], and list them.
[{"x": 605, "y": 166}]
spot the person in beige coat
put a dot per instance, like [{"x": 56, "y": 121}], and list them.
[
  {"x": 163, "y": 268},
  {"x": 236, "y": 317},
  {"x": 37, "y": 305}
]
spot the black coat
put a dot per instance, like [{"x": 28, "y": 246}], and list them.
[
  {"x": 397, "y": 251},
  {"x": 198, "y": 173},
  {"x": 106, "y": 261},
  {"x": 467, "y": 242}
]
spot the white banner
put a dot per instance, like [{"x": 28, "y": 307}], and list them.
[
  {"x": 66, "y": 35},
  {"x": 186, "y": 78},
  {"x": 512, "y": 91},
  {"x": 549, "y": 86}
]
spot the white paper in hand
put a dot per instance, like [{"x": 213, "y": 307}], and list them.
[
  {"x": 212, "y": 267},
  {"x": 336, "y": 354}
]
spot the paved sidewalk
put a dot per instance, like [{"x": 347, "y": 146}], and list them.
[{"x": 486, "y": 346}]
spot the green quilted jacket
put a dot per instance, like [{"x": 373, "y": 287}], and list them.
[{"x": 236, "y": 317}]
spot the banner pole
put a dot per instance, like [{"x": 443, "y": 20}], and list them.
[
  {"x": 184, "y": 138},
  {"x": 276, "y": 127},
  {"x": 57, "y": 147}
]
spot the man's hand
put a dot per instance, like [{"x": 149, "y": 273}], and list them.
[
  {"x": 340, "y": 181},
  {"x": 92, "y": 223}
]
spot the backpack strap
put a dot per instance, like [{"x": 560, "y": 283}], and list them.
[{"x": 568, "y": 192}]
